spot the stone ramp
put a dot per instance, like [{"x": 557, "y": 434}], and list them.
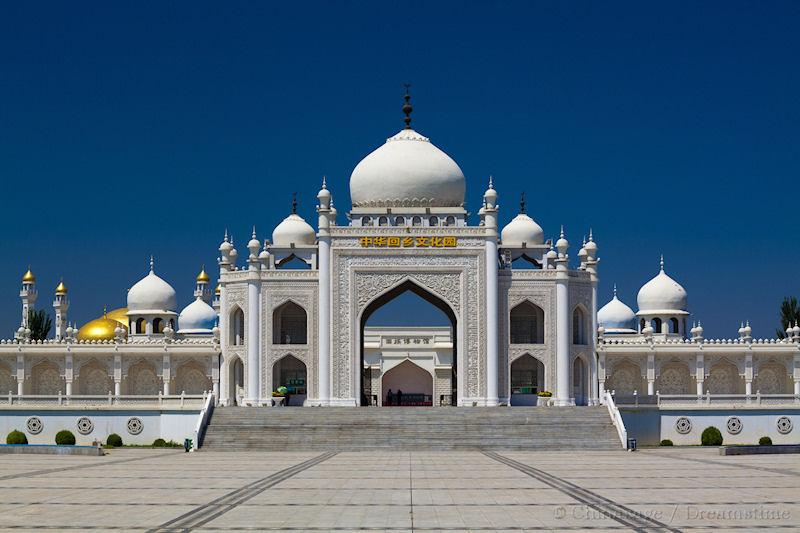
[{"x": 410, "y": 428}]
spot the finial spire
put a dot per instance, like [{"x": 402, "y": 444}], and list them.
[
  {"x": 407, "y": 109},
  {"x": 522, "y": 203},
  {"x": 294, "y": 203},
  {"x": 562, "y": 231},
  {"x": 591, "y": 238},
  {"x": 662, "y": 263},
  {"x": 105, "y": 311},
  {"x": 254, "y": 231},
  {"x": 151, "y": 263},
  {"x": 226, "y": 235},
  {"x": 615, "y": 290},
  {"x": 491, "y": 181},
  {"x": 324, "y": 182}
]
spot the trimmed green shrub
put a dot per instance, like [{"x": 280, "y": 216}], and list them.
[
  {"x": 114, "y": 440},
  {"x": 65, "y": 438},
  {"x": 765, "y": 441},
  {"x": 16, "y": 437},
  {"x": 666, "y": 442},
  {"x": 711, "y": 437},
  {"x": 545, "y": 394},
  {"x": 159, "y": 443}
]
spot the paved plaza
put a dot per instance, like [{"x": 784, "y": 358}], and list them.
[{"x": 158, "y": 490}]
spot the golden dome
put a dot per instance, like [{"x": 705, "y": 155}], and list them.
[
  {"x": 202, "y": 276},
  {"x": 99, "y": 329},
  {"x": 61, "y": 289},
  {"x": 218, "y": 290},
  {"x": 120, "y": 315},
  {"x": 29, "y": 277}
]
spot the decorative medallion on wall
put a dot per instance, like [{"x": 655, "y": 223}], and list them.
[
  {"x": 135, "y": 425},
  {"x": 683, "y": 425},
  {"x": 784, "y": 425},
  {"x": 734, "y": 425},
  {"x": 34, "y": 425},
  {"x": 85, "y": 425}
]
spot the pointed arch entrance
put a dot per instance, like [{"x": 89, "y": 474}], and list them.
[
  {"x": 411, "y": 385},
  {"x": 291, "y": 372},
  {"x": 368, "y": 393}
]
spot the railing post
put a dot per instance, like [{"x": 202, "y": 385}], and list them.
[
  {"x": 160, "y": 398},
  {"x": 635, "y": 397},
  {"x": 59, "y": 397},
  {"x": 182, "y": 393},
  {"x": 758, "y": 397}
]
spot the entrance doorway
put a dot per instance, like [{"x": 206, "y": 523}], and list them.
[
  {"x": 580, "y": 379},
  {"x": 236, "y": 382},
  {"x": 290, "y": 372},
  {"x": 407, "y": 385},
  {"x": 410, "y": 306},
  {"x": 527, "y": 380}
]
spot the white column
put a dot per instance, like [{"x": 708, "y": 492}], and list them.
[
  {"x": 748, "y": 387},
  {"x": 797, "y": 386},
  {"x": 117, "y": 387},
  {"x": 492, "y": 338},
  {"x": 700, "y": 373},
  {"x": 324, "y": 322},
  {"x": 225, "y": 335},
  {"x": 252, "y": 339},
  {"x": 651, "y": 387},
  {"x": 166, "y": 373},
  {"x": 20, "y": 375},
  {"x": 651, "y": 373},
  {"x": 601, "y": 376},
  {"x": 68, "y": 383},
  {"x": 562, "y": 343},
  {"x": 593, "y": 396}
]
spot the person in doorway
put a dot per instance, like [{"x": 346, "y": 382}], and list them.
[
  {"x": 389, "y": 397},
  {"x": 399, "y": 397}
]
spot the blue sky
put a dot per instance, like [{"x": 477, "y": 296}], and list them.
[{"x": 148, "y": 128}]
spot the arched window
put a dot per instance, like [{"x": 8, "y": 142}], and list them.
[
  {"x": 383, "y": 221},
  {"x": 366, "y": 221},
  {"x": 416, "y": 221},
  {"x": 289, "y": 324},
  {"x": 141, "y": 325},
  {"x": 450, "y": 221},
  {"x": 674, "y": 325},
  {"x": 433, "y": 221},
  {"x": 399, "y": 221},
  {"x": 158, "y": 326},
  {"x": 237, "y": 327},
  {"x": 656, "y": 325},
  {"x": 527, "y": 324},
  {"x": 578, "y": 326}
]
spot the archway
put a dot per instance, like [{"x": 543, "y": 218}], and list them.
[
  {"x": 526, "y": 324},
  {"x": 723, "y": 378},
  {"x": 47, "y": 379},
  {"x": 94, "y": 379},
  {"x": 446, "y": 369},
  {"x": 8, "y": 381},
  {"x": 235, "y": 380},
  {"x": 191, "y": 378},
  {"x": 410, "y": 385},
  {"x": 290, "y": 372},
  {"x": 580, "y": 381},
  {"x": 289, "y": 324},
  {"x": 527, "y": 380},
  {"x": 771, "y": 379}
]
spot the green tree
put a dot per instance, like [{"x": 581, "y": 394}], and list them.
[
  {"x": 39, "y": 323},
  {"x": 790, "y": 314}
]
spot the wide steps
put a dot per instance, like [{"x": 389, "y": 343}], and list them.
[{"x": 401, "y": 428}]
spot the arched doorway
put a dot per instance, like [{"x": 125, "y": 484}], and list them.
[
  {"x": 446, "y": 381},
  {"x": 290, "y": 372},
  {"x": 580, "y": 382},
  {"x": 527, "y": 380},
  {"x": 236, "y": 381},
  {"x": 411, "y": 385},
  {"x": 289, "y": 324}
]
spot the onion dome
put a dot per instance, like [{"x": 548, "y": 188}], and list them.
[
  {"x": 662, "y": 295},
  {"x": 407, "y": 171},
  {"x": 99, "y": 329},
  {"x": 522, "y": 231},
  {"x": 61, "y": 289},
  {"x": 218, "y": 290},
  {"x": 203, "y": 277},
  {"x": 197, "y": 317},
  {"x": 28, "y": 277},
  {"x": 120, "y": 315},
  {"x": 151, "y": 295},
  {"x": 293, "y": 230},
  {"x": 616, "y": 317}
]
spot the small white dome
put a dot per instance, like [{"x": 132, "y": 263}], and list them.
[
  {"x": 197, "y": 317},
  {"x": 151, "y": 295},
  {"x": 293, "y": 230},
  {"x": 616, "y": 317},
  {"x": 407, "y": 171},
  {"x": 662, "y": 295},
  {"x": 523, "y": 229}
]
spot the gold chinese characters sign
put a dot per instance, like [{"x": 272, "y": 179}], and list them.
[{"x": 408, "y": 242}]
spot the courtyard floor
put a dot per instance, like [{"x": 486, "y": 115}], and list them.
[{"x": 156, "y": 490}]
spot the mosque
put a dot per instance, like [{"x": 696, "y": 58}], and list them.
[{"x": 524, "y": 329}]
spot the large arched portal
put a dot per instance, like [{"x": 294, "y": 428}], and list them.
[
  {"x": 408, "y": 327},
  {"x": 409, "y": 385},
  {"x": 290, "y": 372}
]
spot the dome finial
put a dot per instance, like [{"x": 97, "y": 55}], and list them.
[
  {"x": 151, "y": 263},
  {"x": 407, "y": 109},
  {"x": 254, "y": 231},
  {"x": 522, "y": 203},
  {"x": 615, "y": 290},
  {"x": 591, "y": 238},
  {"x": 562, "y": 231},
  {"x": 491, "y": 181},
  {"x": 324, "y": 182},
  {"x": 294, "y": 203},
  {"x": 662, "y": 263}
]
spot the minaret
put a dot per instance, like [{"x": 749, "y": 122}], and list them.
[
  {"x": 201, "y": 289},
  {"x": 591, "y": 267},
  {"x": 61, "y": 305},
  {"x": 324, "y": 286},
  {"x": 28, "y": 295},
  {"x": 215, "y": 303},
  {"x": 492, "y": 308},
  {"x": 563, "y": 382}
]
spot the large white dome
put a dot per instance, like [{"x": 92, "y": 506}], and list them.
[
  {"x": 407, "y": 171},
  {"x": 151, "y": 295},
  {"x": 662, "y": 295},
  {"x": 197, "y": 317},
  {"x": 616, "y": 317},
  {"x": 293, "y": 230},
  {"x": 522, "y": 229}
]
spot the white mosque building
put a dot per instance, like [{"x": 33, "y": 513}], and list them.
[{"x": 524, "y": 319}]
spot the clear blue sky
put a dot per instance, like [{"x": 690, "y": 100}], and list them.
[{"x": 127, "y": 130}]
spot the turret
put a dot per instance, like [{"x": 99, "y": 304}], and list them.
[
  {"x": 61, "y": 305},
  {"x": 201, "y": 289},
  {"x": 28, "y": 295}
]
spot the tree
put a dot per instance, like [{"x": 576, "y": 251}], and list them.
[
  {"x": 790, "y": 314},
  {"x": 39, "y": 323}
]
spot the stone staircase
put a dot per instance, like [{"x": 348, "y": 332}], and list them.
[{"x": 410, "y": 428}]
